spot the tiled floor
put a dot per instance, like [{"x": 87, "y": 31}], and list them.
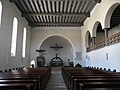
[{"x": 56, "y": 81}]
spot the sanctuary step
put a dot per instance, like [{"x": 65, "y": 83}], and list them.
[{"x": 56, "y": 81}]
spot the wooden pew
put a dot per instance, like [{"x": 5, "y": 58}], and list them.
[
  {"x": 99, "y": 86},
  {"x": 70, "y": 74},
  {"x": 25, "y": 78},
  {"x": 40, "y": 74},
  {"x": 92, "y": 76},
  {"x": 16, "y": 86},
  {"x": 77, "y": 81},
  {"x": 31, "y": 81}
]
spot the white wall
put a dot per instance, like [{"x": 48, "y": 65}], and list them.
[
  {"x": 72, "y": 34},
  {"x": 6, "y": 61},
  {"x": 99, "y": 58}
]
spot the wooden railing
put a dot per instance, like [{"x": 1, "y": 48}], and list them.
[
  {"x": 113, "y": 39},
  {"x": 90, "y": 49},
  {"x": 110, "y": 40},
  {"x": 100, "y": 45}
]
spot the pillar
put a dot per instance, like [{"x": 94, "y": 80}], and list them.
[
  {"x": 94, "y": 40},
  {"x": 106, "y": 35}
]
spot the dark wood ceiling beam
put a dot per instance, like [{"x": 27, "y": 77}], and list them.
[
  {"x": 14, "y": 1},
  {"x": 95, "y": 1},
  {"x": 56, "y": 14},
  {"x": 59, "y": 24}
]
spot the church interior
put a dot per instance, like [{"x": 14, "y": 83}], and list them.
[{"x": 59, "y": 44}]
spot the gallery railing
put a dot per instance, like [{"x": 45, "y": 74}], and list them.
[
  {"x": 113, "y": 39},
  {"x": 110, "y": 40}
]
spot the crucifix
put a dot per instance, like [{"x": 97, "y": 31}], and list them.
[{"x": 56, "y": 47}]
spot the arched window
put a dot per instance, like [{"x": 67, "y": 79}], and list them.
[
  {"x": 24, "y": 42},
  {"x": 14, "y": 36},
  {"x": 0, "y": 11}
]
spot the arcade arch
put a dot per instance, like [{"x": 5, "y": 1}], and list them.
[
  {"x": 112, "y": 21},
  {"x": 88, "y": 40}
]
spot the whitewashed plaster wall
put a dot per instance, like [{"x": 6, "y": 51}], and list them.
[
  {"x": 107, "y": 57},
  {"x": 6, "y": 61},
  {"x": 72, "y": 34},
  {"x": 98, "y": 57}
]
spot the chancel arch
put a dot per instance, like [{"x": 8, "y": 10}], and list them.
[{"x": 65, "y": 54}]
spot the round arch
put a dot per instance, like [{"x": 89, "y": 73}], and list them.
[
  {"x": 109, "y": 14},
  {"x": 56, "y": 35},
  {"x": 87, "y": 35},
  {"x": 62, "y": 36},
  {"x": 94, "y": 30}
]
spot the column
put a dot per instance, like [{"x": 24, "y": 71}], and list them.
[
  {"x": 94, "y": 40},
  {"x": 106, "y": 35}
]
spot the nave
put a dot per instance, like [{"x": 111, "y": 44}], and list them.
[
  {"x": 60, "y": 78},
  {"x": 56, "y": 81}
]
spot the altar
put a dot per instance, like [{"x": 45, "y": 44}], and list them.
[{"x": 56, "y": 61}]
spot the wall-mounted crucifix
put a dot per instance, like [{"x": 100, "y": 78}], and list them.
[
  {"x": 56, "y": 61},
  {"x": 56, "y": 47}
]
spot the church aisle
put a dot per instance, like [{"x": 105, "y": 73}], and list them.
[{"x": 56, "y": 81}]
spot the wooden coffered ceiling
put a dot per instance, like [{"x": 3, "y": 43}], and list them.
[{"x": 44, "y": 13}]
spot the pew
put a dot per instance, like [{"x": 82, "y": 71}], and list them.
[
  {"x": 74, "y": 76},
  {"x": 37, "y": 76},
  {"x": 23, "y": 77},
  {"x": 94, "y": 76},
  {"x": 95, "y": 80},
  {"x": 99, "y": 86},
  {"x": 16, "y": 86},
  {"x": 76, "y": 71},
  {"x": 30, "y": 81}
]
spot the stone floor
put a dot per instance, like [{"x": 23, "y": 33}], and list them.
[{"x": 56, "y": 81}]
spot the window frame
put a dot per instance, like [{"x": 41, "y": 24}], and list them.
[
  {"x": 1, "y": 12},
  {"x": 24, "y": 40}
]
